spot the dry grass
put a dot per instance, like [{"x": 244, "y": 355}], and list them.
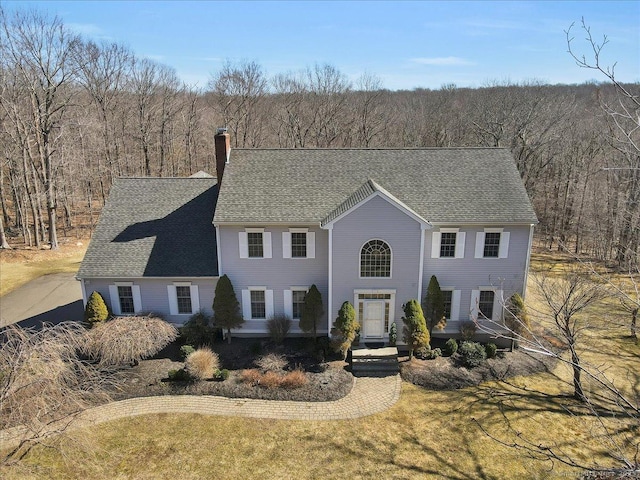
[
  {"x": 19, "y": 266},
  {"x": 202, "y": 364},
  {"x": 271, "y": 362},
  {"x": 427, "y": 434},
  {"x": 295, "y": 379}
]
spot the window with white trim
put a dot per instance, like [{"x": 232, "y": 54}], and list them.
[
  {"x": 298, "y": 243},
  {"x": 257, "y": 303},
  {"x": 448, "y": 243},
  {"x": 492, "y": 243},
  {"x": 297, "y": 303},
  {"x": 485, "y": 303},
  {"x": 125, "y": 298},
  {"x": 254, "y": 243},
  {"x": 183, "y": 298},
  {"x": 375, "y": 259},
  {"x": 447, "y": 296}
]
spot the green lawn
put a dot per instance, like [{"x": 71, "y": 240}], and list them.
[{"x": 427, "y": 434}]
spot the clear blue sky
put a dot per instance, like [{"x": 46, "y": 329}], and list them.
[{"x": 406, "y": 44}]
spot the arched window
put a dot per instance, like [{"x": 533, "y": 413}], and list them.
[{"x": 375, "y": 259}]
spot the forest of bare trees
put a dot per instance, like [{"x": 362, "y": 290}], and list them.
[{"x": 75, "y": 114}]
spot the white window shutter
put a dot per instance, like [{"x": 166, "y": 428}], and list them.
[
  {"x": 268, "y": 303},
  {"x": 479, "y": 245},
  {"x": 286, "y": 244},
  {"x": 311, "y": 244},
  {"x": 460, "y": 239},
  {"x": 173, "y": 299},
  {"x": 455, "y": 305},
  {"x": 246, "y": 304},
  {"x": 503, "y": 251},
  {"x": 497, "y": 306},
  {"x": 115, "y": 299},
  {"x": 435, "y": 244},
  {"x": 475, "y": 299},
  {"x": 243, "y": 243},
  {"x": 195, "y": 299},
  {"x": 266, "y": 245},
  {"x": 288, "y": 303},
  {"x": 137, "y": 300}
]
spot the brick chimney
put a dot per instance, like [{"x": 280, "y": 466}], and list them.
[{"x": 222, "y": 150}]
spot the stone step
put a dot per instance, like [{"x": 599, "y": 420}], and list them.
[{"x": 374, "y": 361}]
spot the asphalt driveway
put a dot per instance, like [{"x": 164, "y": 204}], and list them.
[{"x": 51, "y": 298}]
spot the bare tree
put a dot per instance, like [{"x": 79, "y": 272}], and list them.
[{"x": 40, "y": 51}]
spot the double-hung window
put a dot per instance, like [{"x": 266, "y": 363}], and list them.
[
  {"x": 448, "y": 243},
  {"x": 183, "y": 298},
  {"x": 254, "y": 243},
  {"x": 257, "y": 303},
  {"x": 485, "y": 303},
  {"x": 446, "y": 300},
  {"x": 492, "y": 243},
  {"x": 125, "y": 297},
  {"x": 298, "y": 243}
]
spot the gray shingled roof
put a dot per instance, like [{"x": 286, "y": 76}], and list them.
[
  {"x": 155, "y": 227},
  {"x": 442, "y": 185}
]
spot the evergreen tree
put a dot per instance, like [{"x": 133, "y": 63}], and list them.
[
  {"x": 226, "y": 309},
  {"x": 415, "y": 330},
  {"x": 344, "y": 328},
  {"x": 434, "y": 306},
  {"x": 96, "y": 310},
  {"x": 311, "y": 311}
]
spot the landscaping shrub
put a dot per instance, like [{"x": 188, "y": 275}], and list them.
[
  {"x": 450, "y": 347},
  {"x": 468, "y": 330},
  {"x": 186, "y": 350},
  {"x": 425, "y": 353},
  {"x": 226, "y": 308},
  {"x": 295, "y": 379},
  {"x": 312, "y": 311},
  {"x": 221, "y": 375},
  {"x": 415, "y": 331},
  {"x": 96, "y": 310},
  {"x": 344, "y": 329},
  {"x": 491, "y": 350},
  {"x": 516, "y": 317},
  {"x": 180, "y": 375},
  {"x": 393, "y": 334},
  {"x": 435, "y": 353},
  {"x": 127, "y": 340},
  {"x": 198, "y": 330},
  {"x": 271, "y": 362},
  {"x": 270, "y": 380},
  {"x": 472, "y": 354},
  {"x": 278, "y": 327},
  {"x": 251, "y": 376},
  {"x": 202, "y": 363}
]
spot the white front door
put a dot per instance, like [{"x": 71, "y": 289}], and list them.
[{"x": 373, "y": 322}]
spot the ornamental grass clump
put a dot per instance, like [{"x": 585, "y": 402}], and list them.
[
  {"x": 202, "y": 364},
  {"x": 271, "y": 362}
]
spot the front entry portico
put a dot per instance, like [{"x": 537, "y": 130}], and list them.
[{"x": 375, "y": 312}]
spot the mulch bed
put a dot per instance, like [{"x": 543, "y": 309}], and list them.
[
  {"x": 326, "y": 380},
  {"x": 445, "y": 373}
]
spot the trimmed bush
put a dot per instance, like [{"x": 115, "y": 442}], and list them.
[
  {"x": 344, "y": 329},
  {"x": 434, "y": 306},
  {"x": 202, "y": 363},
  {"x": 198, "y": 330},
  {"x": 180, "y": 375},
  {"x": 221, "y": 375},
  {"x": 96, "y": 310},
  {"x": 226, "y": 308},
  {"x": 270, "y": 380},
  {"x": 278, "y": 327},
  {"x": 312, "y": 311},
  {"x": 468, "y": 330},
  {"x": 393, "y": 334},
  {"x": 472, "y": 354},
  {"x": 450, "y": 347},
  {"x": 251, "y": 376},
  {"x": 425, "y": 353},
  {"x": 415, "y": 331},
  {"x": 271, "y": 362},
  {"x": 295, "y": 379},
  {"x": 127, "y": 340},
  {"x": 186, "y": 350},
  {"x": 491, "y": 350}
]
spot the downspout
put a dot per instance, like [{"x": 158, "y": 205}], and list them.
[
  {"x": 526, "y": 270},
  {"x": 330, "y": 297},
  {"x": 423, "y": 228},
  {"x": 219, "y": 251}
]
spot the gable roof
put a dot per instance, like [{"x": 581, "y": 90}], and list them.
[
  {"x": 368, "y": 190},
  {"x": 155, "y": 227},
  {"x": 441, "y": 185}
]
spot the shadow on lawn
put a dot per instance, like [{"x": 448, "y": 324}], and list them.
[{"x": 73, "y": 311}]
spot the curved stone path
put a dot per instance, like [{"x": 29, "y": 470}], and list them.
[{"x": 369, "y": 395}]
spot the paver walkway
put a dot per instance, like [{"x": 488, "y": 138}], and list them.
[{"x": 369, "y": 395}]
